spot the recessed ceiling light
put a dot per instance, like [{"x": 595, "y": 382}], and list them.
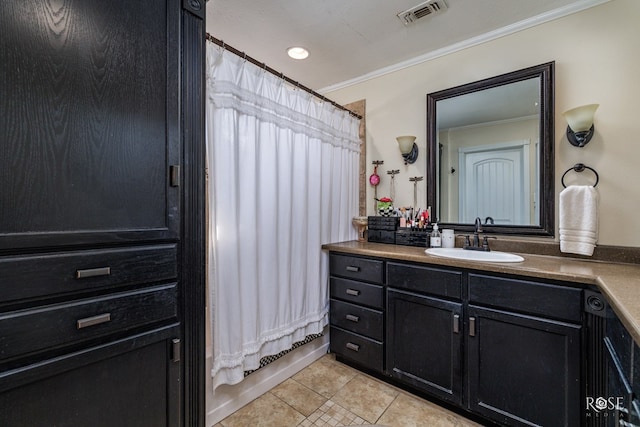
[{"x": 297, "y": 52}]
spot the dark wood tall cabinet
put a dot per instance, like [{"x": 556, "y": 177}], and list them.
[{"x": 101, "y": 213}]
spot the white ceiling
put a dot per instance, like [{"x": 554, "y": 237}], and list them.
[{"x": 352, "y": 39}]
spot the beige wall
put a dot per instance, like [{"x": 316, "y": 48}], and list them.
[{"x": 597, "y": 56}]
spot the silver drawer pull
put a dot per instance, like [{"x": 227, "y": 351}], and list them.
[
  {"x": 353, "y": 268},
  {"x": 94, "y": 320},
  {"x": 353, "y": 292},
  {"x": 176, "y": 349},
  {"x": 93, "y": 272},
  {"x": 352, "y": 318},
  {"x": 352, "y": 346}
]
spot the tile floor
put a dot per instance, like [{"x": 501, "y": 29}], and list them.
[{"x": 329, "y": 393}]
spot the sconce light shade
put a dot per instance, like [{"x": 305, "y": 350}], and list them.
[
  {"x": 580, "y": 124},
  {"x": 408, "y": 148}
]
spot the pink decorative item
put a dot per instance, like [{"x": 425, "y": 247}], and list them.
[{"x": 374, "y": 179}]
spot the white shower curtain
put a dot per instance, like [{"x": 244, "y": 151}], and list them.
[{"x": 283, "y": 176}]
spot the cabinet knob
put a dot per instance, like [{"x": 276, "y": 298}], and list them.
[
  {"x": 94, "y": 320},
  {"x": 174, "y": 175},
  {"x": 352, "y": 318},
  {"x": 176, "y": 349},
  {"x": 93, "y": 272},
  {"x": 352, "y": 346}
]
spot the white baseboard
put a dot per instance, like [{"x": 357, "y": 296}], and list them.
[{"x": 226, "y": 400}]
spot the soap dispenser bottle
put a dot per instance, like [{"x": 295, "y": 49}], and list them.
[{"x": 435, "y": 241}]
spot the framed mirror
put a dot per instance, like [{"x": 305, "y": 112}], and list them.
[{"x": 490, "y": 153}]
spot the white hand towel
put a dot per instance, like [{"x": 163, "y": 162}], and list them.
[{"x": 578, "y": 219}]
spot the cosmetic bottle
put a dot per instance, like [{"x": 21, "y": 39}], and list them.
[{"x": 435, "y": 241}]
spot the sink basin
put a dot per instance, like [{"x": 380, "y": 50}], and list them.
[{"x": 467, "y": 255}]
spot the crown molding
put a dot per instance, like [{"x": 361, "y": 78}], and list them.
[{"x": 474, "y": 41}]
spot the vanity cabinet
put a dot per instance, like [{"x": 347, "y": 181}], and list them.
[
  {"x": 505, "y": 348},
  {"x": 634, "y": 407},
  {"x": 622, "y": 363},
  {"x": 523, "y": 351},
  {"x": 356, "y": 313},
  {"x": 424, "y": 329},
  {"x": 101, "y": 213},
  {"x": 523, "y": 370}
]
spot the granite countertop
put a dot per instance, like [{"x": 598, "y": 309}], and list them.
[{"x": 618, "y": 282}]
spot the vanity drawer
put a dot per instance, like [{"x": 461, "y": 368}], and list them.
[
  {"x": 360, "y": 320},
  {"x": 362, "y": 350},
  {"x": 54, "y": 326},
  {"x": 550, "y": 301},
  {"x": 369, "y": 270},
  {"x": 357, "y": 292},
  {"x": 427, "y": 280},
  {"x": 40, "y": 275}
]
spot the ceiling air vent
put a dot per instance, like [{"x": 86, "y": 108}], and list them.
[{"x": 428, "y": 8}]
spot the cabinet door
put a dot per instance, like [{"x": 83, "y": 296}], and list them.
[
  {"x": 424, "y": 343},
  {"x": 133, "y": 382},
  {"x": 90, "y": 121},
  {"x": 523, "y": 370},
  {"x": 619, "y": 408},
  {"x": 620, "y": 372}
]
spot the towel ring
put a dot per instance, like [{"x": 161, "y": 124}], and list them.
[{"x": 580, "y": 167}]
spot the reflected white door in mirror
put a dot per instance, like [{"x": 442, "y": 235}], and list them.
[{"x": 494, "y": 182}]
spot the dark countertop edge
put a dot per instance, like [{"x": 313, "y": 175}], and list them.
[
  {"x": 603, "y": 282},
  {"x": 520, "y": 268}
]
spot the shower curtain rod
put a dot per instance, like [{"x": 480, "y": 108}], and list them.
[{"x": 264, "y": 66}]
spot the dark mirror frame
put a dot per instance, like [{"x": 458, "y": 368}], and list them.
[{"x": 547, "y": 176}]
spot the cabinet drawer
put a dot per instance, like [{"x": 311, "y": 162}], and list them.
[
  {"x": 425, "y": 280},
  {"x": 357, "y": 292},
  {"x": 29, "y": 331},
  {"x": 381, "y": 236},
  {"x": 369, "y": 270},
  {"x": 362, "y": 350},
  {"x": 59, "y": 273},
  {"x": 360, "y": 320},
  {"x": 551, "y": 301}
]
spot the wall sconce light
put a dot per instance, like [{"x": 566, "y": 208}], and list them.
[
  {"x": 408, "y": 148},
  {"x": 580, "y": 124}
]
